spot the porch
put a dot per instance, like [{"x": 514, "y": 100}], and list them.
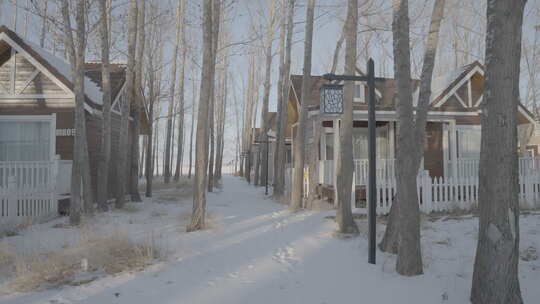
[{"x": 28, "y": 169}]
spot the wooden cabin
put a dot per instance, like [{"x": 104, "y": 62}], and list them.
[
  {"x": 37, "y": 111},
  {"x": 453, "y": 129}
]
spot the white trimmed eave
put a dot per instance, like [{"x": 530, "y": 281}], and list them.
[
  {"x": 70, "y": 95},
  {"x": 453, "y": 91}
]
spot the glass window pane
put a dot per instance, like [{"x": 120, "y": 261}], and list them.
[
  {"x": 24, "y": 140},
  {"x": 329, "y": 146}
]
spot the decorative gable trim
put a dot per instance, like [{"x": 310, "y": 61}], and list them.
[
  {"x": 69, "y": 93},
  {"x": 456, "y": 87}
]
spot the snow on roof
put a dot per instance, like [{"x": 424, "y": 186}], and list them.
[{"x": 91, "y": 90}]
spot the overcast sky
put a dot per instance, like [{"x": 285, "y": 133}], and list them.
[{"x": 463, "y": 18}]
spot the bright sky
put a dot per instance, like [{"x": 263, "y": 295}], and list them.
[{"x": 464, "y": 19}]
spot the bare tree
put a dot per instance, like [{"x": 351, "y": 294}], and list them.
[
  {"x": 154, "y": 70},
  {"x": 81, "y": 187},
  {"x": 299, "y": 146},
  {"x": 105, "y": 146},
  {"x": 211, "y": 114},
  {"x": 138, "y": 103},
  {"x": 181, "y": 83},
  {"x": 403, "y": 230},
  {"x": 123, "y": 160},
  {"x": 283, "y": 98},
  {"x": 201, "y": 149},
  {"x": 170, "y": 115},
  {"x": 267, "y": 80},
  {"x": 344, "y": 164},
  {"x": 390, "y": 242},
  {"x": 192, "y": 128},
  {"x": 495, "y": 277}
]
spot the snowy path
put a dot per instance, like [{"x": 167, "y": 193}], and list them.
[{"x": 261, "y": 253}]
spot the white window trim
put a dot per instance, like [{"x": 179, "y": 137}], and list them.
[{"x": 35, "y": 118}]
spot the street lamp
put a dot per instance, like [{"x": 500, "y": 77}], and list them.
[{"x": 332, "y": 102}]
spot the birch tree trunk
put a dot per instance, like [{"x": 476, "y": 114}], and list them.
[
  {"x": 168, "y": 135},
  {"x": 495, "y": 277},
  {"x": 283, "y": 95},
  {"x": 126, "y": 105},
  {"x": 137, "y": 88},
  {"x": 201, "y": 149},
  {"x": 390, "y": 239},
  {"x": 105, "y": 147},
  {"x": 344, "y": 160}
]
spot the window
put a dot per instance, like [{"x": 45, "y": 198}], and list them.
[
  {"x": 468, "y": 142},
  {"x": 25, "y": 140},
  {"x": 329, "y": 139},
  {"x": 360, "y": 142},
  {"x": 359, "y": 92}
]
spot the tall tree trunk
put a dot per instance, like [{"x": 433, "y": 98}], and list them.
[
  {"x": 105, "y": 146},
  {"x": 390, "y": 239},
  {"x": 192, "y": 128},
  {"x": 168, "y": 136},
  {"x": 137, "y": 94},
  {"x": 283, "y": 98},
  {"x": 215, "y": 42},
  {"x": 180, "y": 142},
  {"x": 201, "y": 149},
  {"x": 267, "y": 82},
  {"x": 495, "y": 277},
  {"x": 409, "y": 261},
  {"x": 344, "y": 160},
  {"x": 81, "y": 186},
  {"x": 123, "y": 160},
  {"x": 299, "y": 146},
  {"x": 281, "y": 81},
  {"x": 44, "y": 23}
]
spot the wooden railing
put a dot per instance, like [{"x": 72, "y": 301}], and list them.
[
  {"x": 468, "y": 167},
  {"x": 27, "y": 192}
]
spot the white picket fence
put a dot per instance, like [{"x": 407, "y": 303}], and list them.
[
  {"x": 468, "y": 167},
  {"x": 27, "y": 192},
  {"x": 443, "y": 194}
]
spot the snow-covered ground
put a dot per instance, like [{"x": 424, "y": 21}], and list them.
[{"x": 258, "y": 252}]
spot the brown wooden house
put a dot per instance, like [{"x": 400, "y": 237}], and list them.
[
  {"x": 37, "y": 108},
  {"x": 453, "y": 130}
]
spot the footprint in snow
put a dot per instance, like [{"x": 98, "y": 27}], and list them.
[{"x": 285, "y": 256}]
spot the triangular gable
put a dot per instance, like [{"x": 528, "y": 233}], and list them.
[
  {"x": 54, "y": 68},
  {"x": 458, "y": 85}
]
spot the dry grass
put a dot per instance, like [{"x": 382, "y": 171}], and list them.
[
  {"x": 212, "y": 221},
  {"x": 6, "y": 254},
  {"x": 111, "y": 254}
]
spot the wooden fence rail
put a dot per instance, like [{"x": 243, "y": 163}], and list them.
[{"x": 27, "y": 192}]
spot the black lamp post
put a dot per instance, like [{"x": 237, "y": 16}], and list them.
[{"x": 332, "y": 103}]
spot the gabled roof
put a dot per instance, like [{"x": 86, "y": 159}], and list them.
[
  {"x": 118, "y": 76},
  {"x": 443, "y": 84},
  {"x": 60, "y": 68}
]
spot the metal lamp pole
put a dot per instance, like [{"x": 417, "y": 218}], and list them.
[{"x": 372, "y": 178}]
